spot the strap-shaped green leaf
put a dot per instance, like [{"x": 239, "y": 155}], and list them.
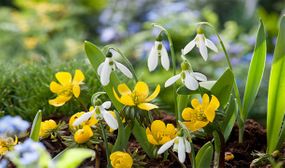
[
  {"x": 35, "y": 131},
  {"x": 276, "y": 91},
  {"x": 255, "y": 72},
  {"x": 223, "y": 87},
  {"x": 204, "y": 156}
]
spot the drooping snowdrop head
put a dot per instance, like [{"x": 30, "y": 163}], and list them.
[
  {"x": 158, "y": 51},
  {"x": 105, "y": 68},
  {"x": 201, "y": 42},
  {"x": 189, "y": 78}
]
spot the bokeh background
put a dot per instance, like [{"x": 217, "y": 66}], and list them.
[{"x": 41, "y": 37}]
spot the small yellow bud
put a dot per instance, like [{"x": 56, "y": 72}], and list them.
[
  {"x": 229, "y": 156},
  {"x": 83, "y": 135},
  {"x": 121, "y": 159},
  {"x": 47, "y": 127}
]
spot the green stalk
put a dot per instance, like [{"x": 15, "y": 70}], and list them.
[
  {"x": 177, "y": 113},
  {"x": 219, "y": 155},
  {"x": 192, "y": 157},
  {"x": 106, "y": 145}
]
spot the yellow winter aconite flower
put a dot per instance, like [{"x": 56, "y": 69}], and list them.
[
  {"x": 7, "y": 144},
  {"x": 159, "y": 133},
  {"x": 47, "y": 127},
  {"x": 138, "y": 97},
  {"x": 121, "y": 160},
  {"x": 201, "y": 113},
  {"x": 66, "y": 87},
  {"x": 83, "y": 135},
  {"x": 90, "y": 122}
]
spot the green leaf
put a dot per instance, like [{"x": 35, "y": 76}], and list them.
[
  {"x": 276, "y": 92},
  {"x": 204, "y": 156},
  {"x": 255, "y": 72},
  {"x": 140, "y": 135},
  {"x": 35, "y": 131},
  {"x": 72, "y": 158},
  {"x": 230, "y": 118},
  {"x": 223, "y": 87},
  {"x": 96, "y": 57},
  {"x": 182, "y": 90}
]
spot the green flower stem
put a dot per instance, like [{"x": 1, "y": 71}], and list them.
[
  {"x": 219, "y": 155},
  {"x": 106, "y": 145},
  {"x": 192, "y": 156},
  {"x": 177, "y": 113},
  {"x": 81, "y": 104}
]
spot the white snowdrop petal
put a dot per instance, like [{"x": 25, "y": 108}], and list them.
[
  {"x": 99, "y": 70},
  {"x": 106, "y": 104},
  {"x": 164, "y": 58},
  {"x": 189, "y": 47},
  {"x": 211, "y": 45},
  {"x": 171, "y": 80},
  {"x": 165, "y": 146},
  {"x": 190, "y": 82},
  {"x": 187, "y": 146},
  {"x": 124, "y": 70},
  {"x": 105, "y": 73},
  {"x": 203, "y": 49},
  {"x": 84, "y": 117},
  {"x": 181, "y": 150},
  {"x": 199, "y": 76},
  {"x": 153, "y": 58},
  {"x": 110, "y": 120}
]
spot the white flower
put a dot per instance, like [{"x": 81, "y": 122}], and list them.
[
  {"x": 189, "y": 79},
  {"x": 202, "y": 43},
  {"x": 180, "y": 145},
  {"x": 158, "y": 50},
  {"x": 100, "y": 112},
  {"x": 105, "y": 68}
]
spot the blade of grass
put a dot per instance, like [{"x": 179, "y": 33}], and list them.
[
  {"x": 204, "y": 155},
  {"x": 276, "y": 92},
  {"x": 35, "y": 130}
]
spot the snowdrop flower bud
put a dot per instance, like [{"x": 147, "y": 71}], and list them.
[
  {"x": 158, "y": 51},
  {"x": 201, "y": 42}
]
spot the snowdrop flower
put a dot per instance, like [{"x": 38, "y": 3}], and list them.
[
  {"x": 188, "y": 77},
  {"x": 100, "y": 113},
  {"x": 158, "y": 50},
  {"x": 202, "y": 43},
  {"x": 105, "y": 68},
  {"x": 180, "y": 145}
]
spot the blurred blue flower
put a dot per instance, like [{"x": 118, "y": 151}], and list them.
[
  {"x": 269, "y": 58},
  {"x": 27, "y": 153},
  {"x": 235, "y": 49},
  {"x": 246, "y": 58},
  {"x": 13, "y": 125},
  {"x": 108, "y": 34},
  {"x": 3, "y": 163}
]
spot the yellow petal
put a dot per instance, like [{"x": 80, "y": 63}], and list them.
[
  {"x": 170, "y": 130},
  {"x": 73, "y": 118},
  {"x": 59, "y": 101},
  {"x": 200, "y": 124},
  {"x": 154, "y": 94},
  {"x": 141, "y": 90},
  {"x": 78, "y": 77},
  {"x": 157, "y": 126},
  {"x": 127, "y": 100},
  {"x": 83, "y": 135},
  {"x": 124, "y": 89},
  {"x": 164, "y": 140},
  {"x": 76, "y": 90},
  {"x": 64, "y": 78},
  {"x": 205, "y": 101},
  {"x": 186, "y": 113},
  {"x": 151, "y": 139},
  {"x": 116, "y": 95},
  {"x": 213, "y": 106},
  {"x": 195, "y": 103},
  {"x": 190, "y": 126},
  {"x": 55, "y": 87},
  {"x": 147, "y": 106}
]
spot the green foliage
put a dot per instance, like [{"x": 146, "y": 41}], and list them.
[
  {"x": 35, "y": 130},
  {"x": 204, "y": 155},
  {"x": 255, "y": 72},
  {"x": 276, "y": 92}
]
